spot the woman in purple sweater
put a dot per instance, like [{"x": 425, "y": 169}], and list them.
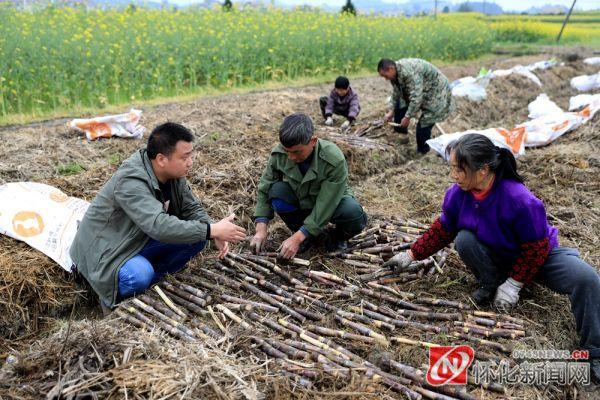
[{"x": 501, "y": 232}]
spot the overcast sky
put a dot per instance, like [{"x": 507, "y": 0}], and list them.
[{"x": 508, "y": 5}]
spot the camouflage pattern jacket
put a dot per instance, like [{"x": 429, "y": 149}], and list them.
[{"x": 421, "y": 86}]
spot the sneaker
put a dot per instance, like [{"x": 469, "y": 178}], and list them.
[{"x": 483, "y": 294}]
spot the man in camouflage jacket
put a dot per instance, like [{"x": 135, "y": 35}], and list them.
[{"x": 419, "y": 87}]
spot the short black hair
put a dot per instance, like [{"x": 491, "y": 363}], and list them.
[
  {"x": 296, "y": 129},
  {"x": 342, "y": 82},
  {"x": 385, "y": 63},
  {"x": 164, "y": 138}
]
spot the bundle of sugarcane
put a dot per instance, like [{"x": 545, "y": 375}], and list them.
[
  {"x": 315, "y": 323},
  {"x": 358, "y": 141}
]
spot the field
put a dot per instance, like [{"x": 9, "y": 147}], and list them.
[
  {"x": 53, "y": 335},
  {"x": 66, "y": 61}
]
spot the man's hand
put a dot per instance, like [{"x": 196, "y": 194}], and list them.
[
  {"x": 259, "y": 238},
  {"x": 227, "y": 231},
  {"x": 329, "y": 121},
  {"x": 290, "y": 247},
  {"x": 405, "y": 122},
  {"x": 223, "y": 248},
  {"x": 389, "y": 116},
  {"x": 507, "y": 295},
  {"x": 399, "y": 262},
  {"x": 345, "y": 125}
]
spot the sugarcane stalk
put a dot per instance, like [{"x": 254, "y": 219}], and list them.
[
  {"x": 268, "y": 349},
  {"x": 189, "y": 305},
  {"x": 329, "y": 277},
  {"x": 442, "y": 302},
  {"x": 401, "y": 303},
  {"x": 313, "y": 315},
  {"x": 494, "y": 345},
  {"x": 184, "y": 294},
  {"x": 296, "y": 261},
  {"x": 360, "y": 257},
  {"x": 363, "y": 329},
  {"x": 431, "y": 394},
  {"x": 242, "y": 268},
  {"x": 360, "y": 264},
  {"x": 388, "y": 315},
  {"x": 254, "y": 304},
  {"x": 485, "y": 332},
  {"x": 160, "y": 307},
  {"x": 264, "y": 296},
  {"x": 168, "y": 301},
  {"x": 142, "y": 323},
  {"x": 418, "y": 376},
  {"x": 238, "y": 306},
  {"x": 430, "y": 315},
  {"x": 492, "y": 323},
  {"x": 362, "y": 245},
  {"x": 199, "y": 282},
  {"x": 366, "y": 233},
  {"x": 223, "y": 280},
  {"x": 515, "y": 332},
  {"x": 207, "y": 330},
  {"x": 269, "y": 323},
  {"x": 231, "y": 315},
  {"x": 409, "y": 393},
  {"x": 193, "y": 290},
  {"x": 249, "y": 263},
  {"x": 273, "y": 267},
  {"x": 392, "y": 291},
  {"x": 161, "y": 324},
  {"x": 290, "y": 351},
  {"x": 375, "y": 275},
  {"x": 364, "y": 319},
  {"x": 497, "y": 317},
  {"x": 150, "y": 310},
  {"x": 280, "y": 291},
  {"x": 341, "y": 334},
  {"x": 316, "y": 302},
  {"x": 404, "y": 340},
  {"x": 312, "y": 338},
  {"x": 404, "y": 277}
]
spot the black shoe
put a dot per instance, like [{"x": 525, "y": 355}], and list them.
[
  {"x": 595, "y": 371},
  {"x": 336, "y": 245},
  {"x": 483, "y": 294},
  {"x": 306, "y": 245}
]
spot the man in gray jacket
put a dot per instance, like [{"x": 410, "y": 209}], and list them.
[{"x": 145, "y": 221}]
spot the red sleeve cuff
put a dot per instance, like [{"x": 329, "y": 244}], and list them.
[{"x": 435, "y": 239}]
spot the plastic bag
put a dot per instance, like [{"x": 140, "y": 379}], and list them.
[
  {"x": 513, "y": 139},
  {"x": 582, "y": 100},
  {"x": 41, "y": 216},
  {"x": 592, "y": 60},
  {"x": 541, "y": 106},
  {"x": 473, "y": 88},
  {"x": 122, "y": 125},
  {"x": 584, "y": 83}
]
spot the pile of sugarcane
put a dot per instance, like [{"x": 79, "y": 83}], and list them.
[
  {"x": 314, "y": 324},
  {"x": 369, "y": 249}
]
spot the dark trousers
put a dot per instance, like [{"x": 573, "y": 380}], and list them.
[
  {"x": 423, "y": 132},
  {"x": 563, "y": 272},
  {"x": 337, "y": 109},
  {"x": 349, "y": 217}
]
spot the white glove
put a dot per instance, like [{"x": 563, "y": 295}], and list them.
[
  {"x": 345, "y": 125},
  {"x": 329, "y": 121},
  {"x": 399, "y": 262},
  {"x": 507, "y": 294}
]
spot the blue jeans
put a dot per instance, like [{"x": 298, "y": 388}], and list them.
[
  {"x": 152, "y": 263},
  {"x": 563, "y": 272}
]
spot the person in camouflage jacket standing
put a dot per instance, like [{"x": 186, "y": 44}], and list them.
[{"x": 419, "y": 86}]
